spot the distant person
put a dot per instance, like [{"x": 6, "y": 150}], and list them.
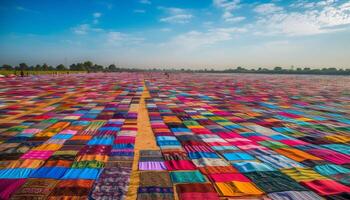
[
  {"x": 22, "y": 73},
  {"x": 166, "y": 74},
  {"x": 27, "y": 74}
]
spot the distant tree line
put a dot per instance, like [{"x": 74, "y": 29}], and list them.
[{"x": 89, "y": 66}]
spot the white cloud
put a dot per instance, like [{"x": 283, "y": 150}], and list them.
[
  {"x": 119, "y": 38},
  {"x": 176, "y": 16},
  {"x": 328, "y": 18},
  {"x": 194, "y": 39},
  {"x": 97, "y": 15},
  {"x": 267, "y": 8},
  {"x": 145, "y": 2},
  {"x": 228, "y": 6},
  {"x": 84, "y": 29},
  {"x": 177, "y": 19}
]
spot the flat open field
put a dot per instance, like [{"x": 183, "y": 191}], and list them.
[{"x": 187, "y": 136}]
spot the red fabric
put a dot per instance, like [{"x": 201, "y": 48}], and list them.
[
  {"x": 196, "y": 191},
  {"x": 326, "y": 187},
  {"x": 9, "y": 186},
  {"x": 228, "y": 177},
  {"x": 179, "y": 165},
  {"x": 293, "y": 142},
  {"x": 331, "y": 156}
]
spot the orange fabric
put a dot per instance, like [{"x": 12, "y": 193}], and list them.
[
  {"x": 81, "y": 137},
  {"x": 296, "y": 154}
]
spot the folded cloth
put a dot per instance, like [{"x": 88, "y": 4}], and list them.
[
  {"x": 155, "y": 193},
  {"x": 84, "y": 173},
  {"x": 217, "y": 170},
  {"x": 179, "y": 165},
  {"x": 196, "y": 191},
  {"x": 9, "y": 186},
  {"x": 197, "y": 155},
  {"x": 301, "y": 174},
  {"x": 49, "y": 172},
  {"x": 152, "y": 165},
  {"x": 203, "y": 162},
  {"x": 279, "y": 161},
  {"x": 296, "y": 154},
  {"x": 341, "y": 148},
  {"x": 294, "y": 195},
  {"x": 237, "y": 156},
  {"x": 341, "y": 196},
  {"x": 72, "y": 188},
  {"x": 237, "y": 188},
  {"x": 331, "y": 156},
  {"x": 245, "y": 167},
  {"x": 150, "y": 153},
  {"x": 15, "y": 173},
  {"x": 187, "y": 177},
  {"x": 228, "y": 177},
  {"x": 326, "y": 187},
  {"x": 274, "y": 182},
  {"x": 156, "y": 179},
  {"x": 113, "y": 183},
  {"x": 35, "y": 189},
  {"x": 331, "y": 169}
]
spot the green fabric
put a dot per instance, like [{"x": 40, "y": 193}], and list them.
[
  {"x": 88, "y": 164},
  {"x": 187, "y": 177},
  {"x": 274, "y": 182}
]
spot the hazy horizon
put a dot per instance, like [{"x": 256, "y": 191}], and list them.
[{"x": 193, "y": 34}]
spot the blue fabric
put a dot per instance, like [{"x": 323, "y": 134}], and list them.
[
  {"x": 165, "y": 138},
  {"x": 252, "y": 167},
  {"x": 15, "y": 173},
  {"x": 238, "y": 156},
  {"x": 342, "y": 148},
  {"x": 110, "y": 128},
  {"x": 129, "y": 154},
  {"x": 280, "y": 137},
  {"x": 62, "y": 136},
  {"x": 101, "y": 140},
  {"x": 180, "y": 130},
  {"x": 331, "y": 169},
  {"x": 87, "y": 173},
  {"x": 220, "y": 148},
  {"x": 49, "y": 172},
  {"x": 197, "y": 155},
  {"x": 168, "y": 143},
  {"x": 123, "y": 146}
]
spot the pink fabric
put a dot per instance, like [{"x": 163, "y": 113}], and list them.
[
  {"x": 179, "y": 165},
  {"x": 331, "y": 156},
  {"x": 326, "y": 187},
  {"x": 9, "y": 186},
  {"x": 259, "y": 138},
  {"x": 293, "y": 142},
  {"x": 198, "y": 148},
  {"x": 37, "y": 154},
  {"x": 228, "y": 177}
]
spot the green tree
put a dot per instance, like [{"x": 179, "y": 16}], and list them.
[
  {"x": 6, "y": 67},
  {"x": 61, "y": 67}
]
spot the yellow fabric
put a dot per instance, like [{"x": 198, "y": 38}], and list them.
[
  {"x": 236, "y": 189},
  {"x": 301, "y": 174},
  {"x": 27, "y": 163},
  {"x": 50, "y": 147},
  {"x": 338, "y": 138}
]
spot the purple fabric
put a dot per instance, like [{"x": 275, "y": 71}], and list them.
[{"x": 152, "y": 165}]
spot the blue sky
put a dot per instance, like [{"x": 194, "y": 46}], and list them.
[{"x": 177, "y": 33}]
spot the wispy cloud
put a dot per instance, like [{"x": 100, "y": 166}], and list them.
[
  {"x": 267, "y": 8},
  {"x": 84, "y": 29},
  {"x": 328, "y": 17},
  {"x": 176, "y": 16},
  {"x": 228, "y": 6},
  {"x": 194, "y": 39},
  {"x": 23, "y": 9},
  {"x": 119, "y": 38},
  {"x": 96, "y": 17}
]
